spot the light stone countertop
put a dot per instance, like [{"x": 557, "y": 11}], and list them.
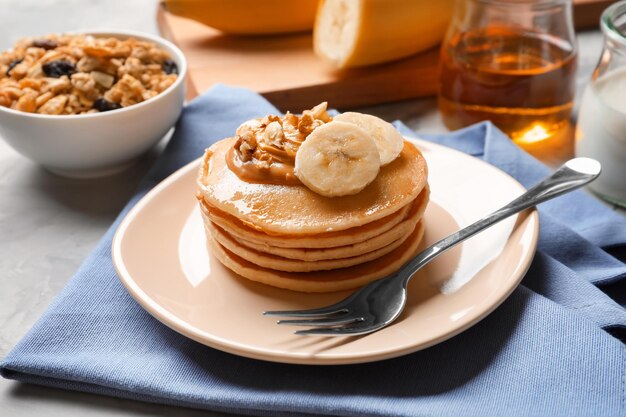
[{"x": 49, "y": 224}]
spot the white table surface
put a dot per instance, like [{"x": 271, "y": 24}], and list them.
[{"x": 49, "y": 224}]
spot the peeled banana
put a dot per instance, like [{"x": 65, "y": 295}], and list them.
[
  {"x": 353, "y": 33},
  {"x": 248, "y": 17},
  {"x": 337, "y": 159}
]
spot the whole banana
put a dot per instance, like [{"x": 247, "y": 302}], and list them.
[
  {"x": 353, "y": 33},
  {"x": 248, "y": 17}
]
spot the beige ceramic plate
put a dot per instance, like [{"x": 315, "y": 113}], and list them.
[{"x": 161, "y": 257}]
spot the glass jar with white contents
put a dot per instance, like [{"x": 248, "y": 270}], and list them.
[{"x": 601, "y": 129}]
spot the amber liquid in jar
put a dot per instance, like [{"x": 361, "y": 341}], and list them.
[{"x": 523, "y": 82}]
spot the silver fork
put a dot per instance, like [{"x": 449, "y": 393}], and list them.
[{"x": 379, "y": 303}]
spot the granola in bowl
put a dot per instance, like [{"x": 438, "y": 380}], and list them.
[{"x": 78, "y": 74}]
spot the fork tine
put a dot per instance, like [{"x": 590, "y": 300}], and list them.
[
  {"x": 314, "y": 312},
  {"x": 322, "y": 322},
  {"x": 338, "y": 331}
]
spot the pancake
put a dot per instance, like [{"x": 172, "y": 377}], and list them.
[
  {"x": 402, "y": 229},
  {"x": 324, "y": 281},
  {"x": 267, "y": 260},
  {"x": 296, "y": 210},
  {"x": 323, "y": 240},
  {"x": 238, "y": 229}
]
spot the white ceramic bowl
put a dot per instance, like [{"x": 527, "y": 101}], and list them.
[{"x": 97, "y": 144}]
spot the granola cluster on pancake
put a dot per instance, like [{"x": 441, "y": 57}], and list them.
[{"x": 314, "y": 203}]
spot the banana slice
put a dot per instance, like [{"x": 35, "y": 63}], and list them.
[
  {"x": 337, "y": 159},
  {"x": 388, "y": 140}
]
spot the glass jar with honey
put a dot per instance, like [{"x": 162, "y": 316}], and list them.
[{"x": 512, "y": 62}]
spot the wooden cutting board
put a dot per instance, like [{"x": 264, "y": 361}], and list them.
[{"x": 285, "y": 70}]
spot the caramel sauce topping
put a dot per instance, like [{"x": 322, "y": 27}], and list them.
[{"x": 265, "y": 149}]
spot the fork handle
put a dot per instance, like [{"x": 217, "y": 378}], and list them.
[{"x": 573, "y": 174}]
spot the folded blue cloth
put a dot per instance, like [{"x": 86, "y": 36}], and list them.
[{"x": 551, "y": 348}]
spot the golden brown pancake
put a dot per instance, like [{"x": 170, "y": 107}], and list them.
[
  {"x": 351, "y": 236},
  {"x": 323, "y": 281},
  {"x": 296, "y": 210},
  {"x": 322, "y": 240},
  {"x": 402, "y": 229},
  {"x": 280, "y": 263}
]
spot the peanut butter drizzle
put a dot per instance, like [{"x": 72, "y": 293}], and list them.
[
  {"x": 265, "y": 150},
  {"x": 275, "y": 173}
]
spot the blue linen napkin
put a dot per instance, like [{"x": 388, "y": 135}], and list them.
[{"x": 551, "y": 348}]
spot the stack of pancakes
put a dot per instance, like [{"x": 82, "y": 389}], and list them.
[{"x": 291, "y": 237}]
